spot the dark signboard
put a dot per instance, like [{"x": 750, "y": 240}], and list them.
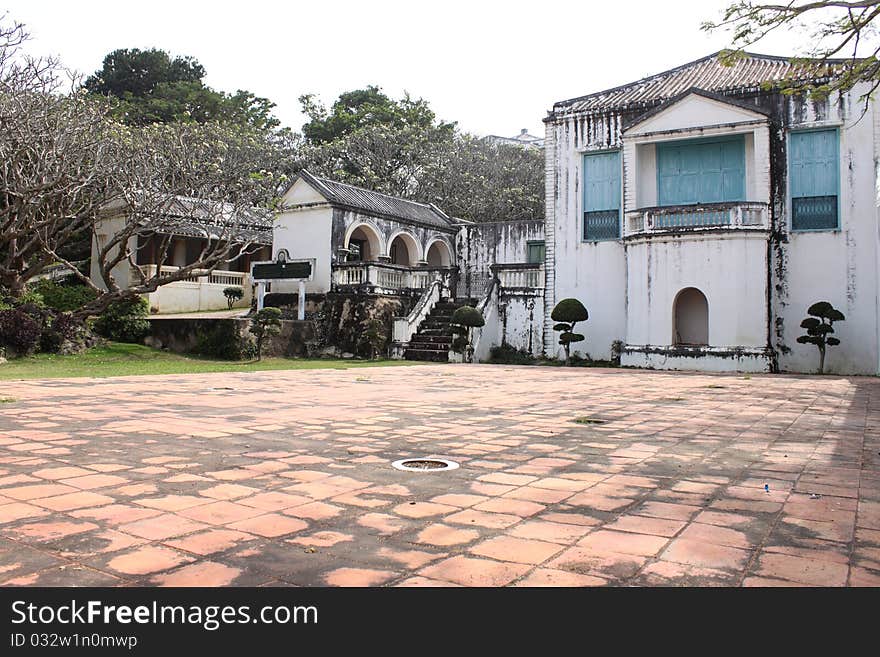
[{"x": 274, "y": 270}]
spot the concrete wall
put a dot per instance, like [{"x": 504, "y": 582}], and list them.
[
  {"x": 480, "y": 246},
  {"x": 305, "y": 233},
  {"x": 839, "y": 266},
  {"x": 658, "y": 269},
  {"x": 758, "y": 285},
  {"x": 296, "y": 339}
]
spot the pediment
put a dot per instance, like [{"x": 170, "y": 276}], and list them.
[
  {"x": 302, "y": 191},
  {"x": 694, "y": 109}
]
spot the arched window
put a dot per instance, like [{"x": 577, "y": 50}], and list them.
[
  {"x": 690, "y": 313},
  {"x": 404, "y": 250},
  {"x": 438, "y": 255},
  {"x": 363, "y": 244}
]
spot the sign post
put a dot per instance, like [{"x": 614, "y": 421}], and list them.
[{"x": 282, "y": 269}]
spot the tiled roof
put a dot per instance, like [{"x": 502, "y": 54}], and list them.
[
  {"x": 709, "y": 73},
  {"x": 376, "y": 203}
]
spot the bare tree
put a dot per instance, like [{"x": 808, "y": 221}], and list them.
[
  {"x": 56, "y": 160},
  {"x": 844, "y": 50},
  {"x": 211, "y": 181}
]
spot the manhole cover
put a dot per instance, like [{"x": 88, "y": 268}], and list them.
[{"x": 424, "y": 465}]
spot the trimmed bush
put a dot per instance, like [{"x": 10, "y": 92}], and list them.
[
  {"x": 125, "y": 320},
  {"x": 19, "y": 332},
  {"x": 466, "y": 318},
  {"x": 232, "y": 295},
  {"x": 819, "y": 327},
  {"x": 64, "y": 296},
  {"x": 567, "y": 313},
  {"x": 224, "y": 341}
]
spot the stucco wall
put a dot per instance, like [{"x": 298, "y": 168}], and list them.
[
  {"x": 305, "y": 233},
  {"x": 658, "y": 269},
  {"x": 482, "y": 245},
  {"x": 759, "y": 286},
  {"x": 837, "y": 266}
]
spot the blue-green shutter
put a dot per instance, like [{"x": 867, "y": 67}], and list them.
[
  {"x": 701, "y": 171},
  {"x": 602, "y": 196},
  {"x": 814, "y": 179}
]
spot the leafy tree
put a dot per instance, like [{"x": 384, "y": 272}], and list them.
[
  {"x": 466, "y": 318},
  {"x": 363, "y": 108},
  {"x": 134, "y": 72},
  {"x": 398, "y": 148},
  {"x": 151, "y": 86},
  {"x": 232, "y": 295},
  {"x": 265, "y": 323},
  {"x": 567, "y": 313},
  {"x": 819, "y": 328},
  {"x": 840, "y": 32}
]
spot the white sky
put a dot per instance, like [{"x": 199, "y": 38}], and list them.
[{"x": 495, "y": 67}]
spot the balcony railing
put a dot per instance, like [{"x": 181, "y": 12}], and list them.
[
  {"x": 201, "y": 276},
  {"x": 745, "y": 214},
  {"x": 386, "y": 276},
  {"x": 520, "y": 276}
]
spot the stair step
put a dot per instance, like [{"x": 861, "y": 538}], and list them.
[
  {"x": 438, "y": 339},
  {"x": 434, "y": 355}
]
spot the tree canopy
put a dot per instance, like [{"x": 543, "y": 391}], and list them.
[
  {"x": 399, "y": 147},
  {"x": 151, "y": 86},
  {"x": 843, "y": 50}
]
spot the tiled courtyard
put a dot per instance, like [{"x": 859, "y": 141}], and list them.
[{"x": 284, "y": 478}]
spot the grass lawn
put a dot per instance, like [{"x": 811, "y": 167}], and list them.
[{"x": 117, "y": 359}]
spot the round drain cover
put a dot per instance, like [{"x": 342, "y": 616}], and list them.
[{"x": 424, "y": 465}]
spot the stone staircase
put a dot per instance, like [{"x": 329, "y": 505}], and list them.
[{"x": 433, "y": 340}]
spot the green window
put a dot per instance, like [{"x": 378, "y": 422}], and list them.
[
  {"x": 813, "y": 172},
  {"x": 535, "y": 253},
  {"x": 601, "y": 196}
]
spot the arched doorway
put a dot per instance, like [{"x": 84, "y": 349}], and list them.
[
  {"x": 438, "y": 255},
  {"x": 404, "y": 250},
  {"x": 363, "y": 244},
  {"x": 690, "y": 312}
]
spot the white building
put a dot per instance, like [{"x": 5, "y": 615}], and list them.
[
  {"x": 699, "y": 212},
  {"x": 523, "y": 139}
]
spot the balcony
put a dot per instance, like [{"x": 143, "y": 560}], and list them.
[
  {"x": 520, "y": 276},
  {"x": 383, "y": 277},
  {"x": 202, "y": 290},
  {"x": 741, "y": 215}
]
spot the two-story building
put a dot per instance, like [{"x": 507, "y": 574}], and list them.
[{"x": 699, "y": 212}]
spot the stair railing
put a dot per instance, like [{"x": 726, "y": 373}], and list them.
[
  {"x": 483, "y": 337},
  {"x": 405, "y": 327}
]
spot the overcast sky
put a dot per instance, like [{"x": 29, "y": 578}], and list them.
[{"x": 495, "y": 67}]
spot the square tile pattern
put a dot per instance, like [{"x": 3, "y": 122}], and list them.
[{"x": 285, "y": 478}]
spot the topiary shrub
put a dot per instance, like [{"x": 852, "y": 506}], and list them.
[
  {"x": 64, "y": 296},
  {"x": 466, "y": 318},
  {"x": 19, "y": 332},
  {"x": 567, "y": 313},
  {"x": 232, "y": 295},
  {"x": 125, "y": 320},
  {"x": 266, "y": 323},
  {"x": 819, "y": 327}
]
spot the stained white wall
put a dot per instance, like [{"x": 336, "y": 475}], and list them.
[
  {"x": 305, "y": 233},
  {"x": 838, "y": 266},
  {"x": 731, "y": 270}
]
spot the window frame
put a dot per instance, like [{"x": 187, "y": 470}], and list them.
[
  {"x": 533, "y": 243},
  {"x": 788, "y": 197},
  {"x": 702, "y": 140},
  {"x": 582, "y": 196}
]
